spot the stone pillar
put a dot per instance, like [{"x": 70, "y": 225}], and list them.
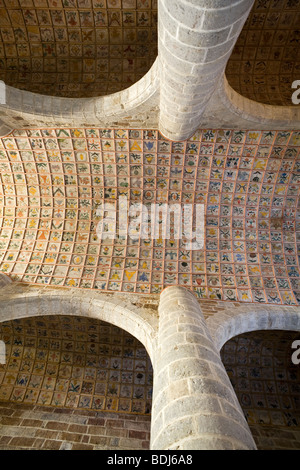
[
  {"x": 195, "y": 40},
  {"x": 194, "y": 404}
]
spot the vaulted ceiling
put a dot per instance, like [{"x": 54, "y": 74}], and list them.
[
  {"x": 54, "y": 180},
  {"x": 76, "y": 48},
  {"x": 74, "y": 362},
  {"x": 266, "y": 57},
  {"x": 85, "y": 48}
]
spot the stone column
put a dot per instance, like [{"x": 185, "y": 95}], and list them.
[
  {"x": 195, "y": 40},
  {"x": 194, "y": 404}
]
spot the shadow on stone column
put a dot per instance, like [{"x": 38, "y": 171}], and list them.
[{"x": 194, "y": 404}]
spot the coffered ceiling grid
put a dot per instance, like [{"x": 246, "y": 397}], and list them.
[{"x": 53, "y": 181}]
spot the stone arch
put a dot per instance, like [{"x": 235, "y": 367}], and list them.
[
  {"x": 102, "y": 307},
  {"x": 224, "y": 327},
  {"x": 136, "y": 106},
  {"x": 255, "y": 112}
]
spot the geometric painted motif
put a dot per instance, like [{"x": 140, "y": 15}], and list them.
[
  {"x": 74, "y": 362},
  {"x": 52, "y": 181}
]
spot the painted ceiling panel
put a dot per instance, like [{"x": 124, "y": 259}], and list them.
[
  {"x": 76, "y": 48},
  {"x": 266, "y": 58},
  {"x": 53, "y": 181},
  {"x": 266, "y": 382},
  {"x": 75, "y": 362}
]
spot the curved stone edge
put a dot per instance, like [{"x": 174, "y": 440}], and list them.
[
  {"x": 136, "y": 106},
  {"x": 19, "y": 301},
  {"x": 223, "y": 326},
  {"x": 229, "y": 109},
  {"x": 139, "y": 106}
]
